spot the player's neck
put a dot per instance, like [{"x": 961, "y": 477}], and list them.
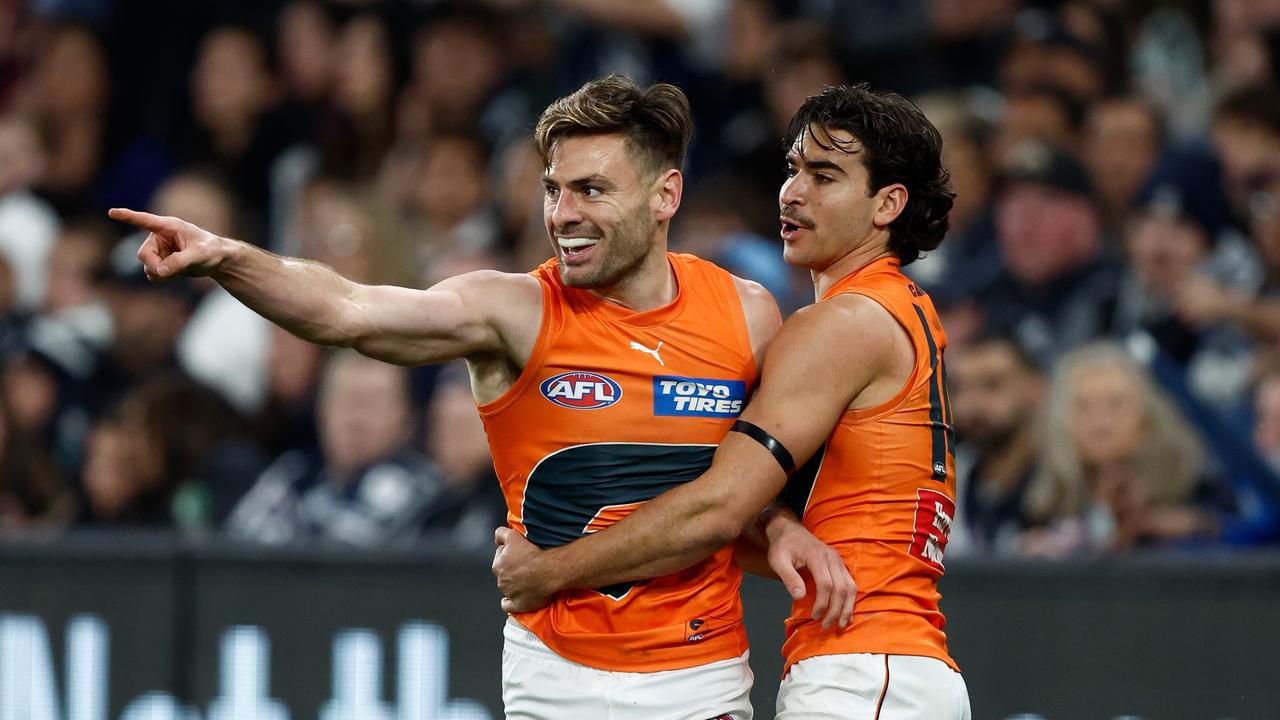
[
  {"x": 651, "y": 285},
  {"x": 859, "y": 257}
]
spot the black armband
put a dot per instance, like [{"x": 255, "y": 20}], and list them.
[{"x": 770, "y": 443}]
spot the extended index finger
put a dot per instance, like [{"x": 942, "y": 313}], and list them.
[{"x": 144, "y": 220}]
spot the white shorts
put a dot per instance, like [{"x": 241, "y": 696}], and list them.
[
  {"x": 875, "y": 687},
  {"x": 538, "y": 684}
]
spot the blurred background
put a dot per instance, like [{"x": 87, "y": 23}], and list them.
[{"x": 1110, "y": 288}]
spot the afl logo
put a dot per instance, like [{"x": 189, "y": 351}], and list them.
[{"x": 581, "y": 390}]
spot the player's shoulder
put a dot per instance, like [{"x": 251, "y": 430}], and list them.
[
  {"x": 496, "y": 294},
  {"x": 496, "y": 281},
  {"x": 757, "y": 302},
  {"x": 849, "y": 324},
  {"x": 756, "y": 299},
  {"x": 846, "y": 308}
]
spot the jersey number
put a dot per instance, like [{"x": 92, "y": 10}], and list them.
[{"x": 942, "y": 432}]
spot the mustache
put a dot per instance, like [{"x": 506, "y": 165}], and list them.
[
  {"x": 795, "y": 218},
  {"x": 578, "y": 230}
]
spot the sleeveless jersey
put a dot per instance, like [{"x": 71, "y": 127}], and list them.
[
  {"x": 613, "y": 408},
  {"x": 881, "y": 491}
]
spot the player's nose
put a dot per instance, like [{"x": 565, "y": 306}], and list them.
[
  {"x": 566, "y": 211},
  {"x": 791, "y": 191}
]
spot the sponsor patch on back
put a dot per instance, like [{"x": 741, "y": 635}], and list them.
[{"x": 698, "y": 397}]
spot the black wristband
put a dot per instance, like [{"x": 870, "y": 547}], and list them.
[{"x": 770, "y": 443}]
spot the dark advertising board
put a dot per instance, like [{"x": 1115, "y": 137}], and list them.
[{"x": 149, "y": 629}]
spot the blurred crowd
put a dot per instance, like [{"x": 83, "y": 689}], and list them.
[{"x": 1110, "y": 284}]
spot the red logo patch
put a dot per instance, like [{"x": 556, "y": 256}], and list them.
[{"x": 934, "y": 512}]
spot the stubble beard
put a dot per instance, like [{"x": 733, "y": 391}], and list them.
[{"x": 629, "y": 247}]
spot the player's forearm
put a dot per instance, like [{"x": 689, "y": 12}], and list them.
[
  {"x": 664, "y": 536},
  {"x": 306, "y": 298}
]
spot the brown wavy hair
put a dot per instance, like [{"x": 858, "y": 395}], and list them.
[
  {"x": 897, "y": 144},
  {"x": 655, "y": 121}
]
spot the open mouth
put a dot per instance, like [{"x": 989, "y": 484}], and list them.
[
  {"x": 790, "y": 229},
  {"x": 576, "y": 247}
]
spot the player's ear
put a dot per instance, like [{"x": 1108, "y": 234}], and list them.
[
  {"x": 668, "y": 187},
  {"x": 892, "y": 201}
]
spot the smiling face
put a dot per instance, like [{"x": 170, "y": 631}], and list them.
[
  {"x": 828, "y": 211},
  {"x": 601, "y": 212}
]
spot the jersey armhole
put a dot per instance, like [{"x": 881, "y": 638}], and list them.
[
  {"x": 530, "y": 369},
  {"x": 893, "y": 403},
  {"x": 741, "y": 327}
]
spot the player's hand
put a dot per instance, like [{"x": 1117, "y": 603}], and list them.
[
  {"x": 520, "y": 578},
  {"x": 173, "y": 246},
  {"x": 793, "y": 548}
]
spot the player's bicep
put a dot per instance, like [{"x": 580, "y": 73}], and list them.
[
  {"x": 821, "y": 359},
  {"x": 456, "y": 318}
]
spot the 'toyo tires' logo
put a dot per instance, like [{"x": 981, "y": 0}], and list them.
[{"x": 581, "y": 390}]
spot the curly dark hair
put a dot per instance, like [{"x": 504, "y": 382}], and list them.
[
  {"x": 897, "y": 144},
  {"x": 656, "y": 121}
]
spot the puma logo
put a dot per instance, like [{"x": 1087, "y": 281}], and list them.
[{"x": 654, "y": 352}]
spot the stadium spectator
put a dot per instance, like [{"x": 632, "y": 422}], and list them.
[
  {"x": 1266, "y": 418},
  {"x": 515, "y": 175},
  {"x": 802, "y": 66},
  {"x": 304, "y": 46},
  {"x": 238, "y": 129},
  {"x": 1246, "y": 135},
  {"x": 343, "y": 226},
  {"x": 28, "y": 225},
  {"x": 996, "y": 394},
  {"x": 49, "y": 356},
  {"x": 457, "y": 66},
  {"x": 1057, "y": 288},
  {"x": 471, "y": 505},
  {"x": 1238, "y": 43},
  {"x": 172, "y": 455},
  {"x": 286, "y": 420},
  {"x": 1122, "y": 142},
  {"x": 222, "y": 345},
  {"x": 450, "y": 201},
  {"x": 366, "y": 487},
  {"x": 1039, "y": 113},
  {"x": 32, "y": 494},
  {"x": 969, "y": 261},
  {"x": 1120, "y": 467},
  {"x": 146, "y": 323},
  {"x": 1178, "y": 236},
  {"x": 66, "y": 95},
  {"x": 77, "y": 261},
  {"x": 356, "y": 130}
]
